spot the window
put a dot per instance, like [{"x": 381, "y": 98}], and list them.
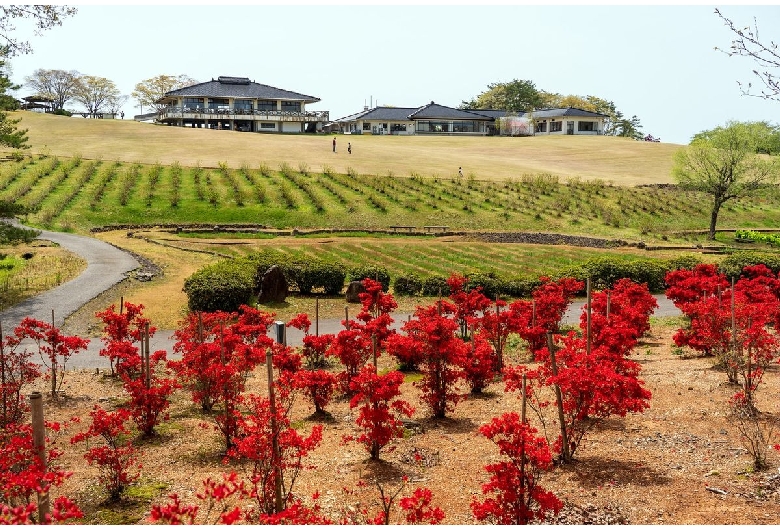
[
  {"x": 433, "y": 126},
  {"x": 264, "y": 104},
  {"x": 541, "y": 126},
  {"x": 218, "y": 103},
  {"x": 193, "y": 103},
  {"x": 243, "y": 104},
  {"x": 556, "y": 126},
  {"x": 464, "y": 126},
  {"x": 291, "y": 106},
  {"x": 398, "y": 127},
  {"x": 267, "y": 125},
  {"x": 366, "y": 126},
  {"x": 586, "y": 126}
]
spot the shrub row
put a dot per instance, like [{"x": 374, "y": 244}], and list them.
[
  {"x": 733, "y": 264},
  {"x": 228, "y": 284},
  {"x": 750, "y": 235}
]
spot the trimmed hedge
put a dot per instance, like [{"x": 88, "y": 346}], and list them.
[
  {"x": 410, "y": 285},
  {"x": 374, "y": 272},
  {"x": 732, "y": 265},
  {"x": 223, "y": 286},
  {"x": 435, "y": 286}
]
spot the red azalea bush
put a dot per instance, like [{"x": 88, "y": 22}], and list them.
[
  {"x": 18, "y": 373},
  {"x": 468, "y": 304},
  {"x": 115, "y": 459},
  {"x": 479, "y": 364},
  {"x": 318, "y": 385},
  {"x": 121, "y": 331},
  {"x": 379, "y": 409},
  {"x": 518, "y": 497},
  {"x": 353, "y": 349}
]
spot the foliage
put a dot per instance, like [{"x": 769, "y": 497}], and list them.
[
  {"x": 375, "y": 395},
  {"x": 480, "y": 364},
  {"x": 723, "y": 164},
  {"x": 149, "y": 91},
  {"x": 54, "y": 348},
  {"x": 95, "y": 93},
  {"x": 732, "y": 265},
  {"x": 353, "y": 349},
  {"x": 13, "y": 235},
  {"x": 44, "y": 16},
  {"x": 23, "y": 476},
  {"x": 10, "y": 136},
  {"x": 18, "y": 373},
  {"x": 407, "y": 285},
  {"x": 149, "y": 393},
  {"x": 519, "y": 499},
  {"x": 121, "y": 332},
  {"x": 115, "y": 459},
  {"x": 57, "y": 85},
  {"x": 513, "y": 96},
  {"x": 223, "y": 286},
  {"x": 373, "y": 272},
  {"x": 469, "y": 301},
  {"x": 318, "y": 385}
]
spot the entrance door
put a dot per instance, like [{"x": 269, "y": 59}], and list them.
[{"x": 569, "y": 127}]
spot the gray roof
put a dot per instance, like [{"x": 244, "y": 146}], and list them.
[
  {"x": 238, "y": 87},
  {"x": 434, "y": 111},
  {"x": 381, "y": 113},
  {"x": 570, "y": 111},
  {"x": 492, "y": 113}
]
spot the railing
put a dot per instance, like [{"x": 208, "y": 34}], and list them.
[{"x": 205, "y": 113}]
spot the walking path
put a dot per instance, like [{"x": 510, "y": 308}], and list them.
[{"x": 108, "y": 265}]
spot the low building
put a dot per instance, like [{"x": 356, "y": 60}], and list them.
[
  {"x": 238, "y": 104},
  {"x": 439, "y": 119}
]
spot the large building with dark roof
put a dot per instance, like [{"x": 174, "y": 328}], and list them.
[
  {"x": 236, "y": 103},
  {"x": 440, "y": 119}
]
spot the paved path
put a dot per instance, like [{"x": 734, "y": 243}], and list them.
[{"x": 107, "y": 266}]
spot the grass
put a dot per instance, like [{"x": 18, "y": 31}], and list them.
[{"x": 622, "y": 161}]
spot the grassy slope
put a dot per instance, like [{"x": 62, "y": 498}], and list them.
[{"x": 619, "y": 160}]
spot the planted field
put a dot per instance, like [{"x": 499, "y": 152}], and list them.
[{"x": 78, "y": 194}]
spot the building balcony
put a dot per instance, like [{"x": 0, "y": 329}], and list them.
[{"x": 188, "y": 113}]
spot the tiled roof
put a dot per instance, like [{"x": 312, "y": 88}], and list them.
[
  {"x": 238, "y": 87},
  {"x": 570, "y": 111},
  {"x": 434, "y": 111}
]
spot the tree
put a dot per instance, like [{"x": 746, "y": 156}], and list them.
[
  {"x": 10, "y": 136},
  {"x": 149, "y": 91},
  {"x": 59, "y": 85},
  {"x": 95, "y": 93},
  {"x": 44, "y": 16},
  {"x": 724, "y": 163},
  {"x": 765, "y": 54},
  {"x": 514, "y": 96}
]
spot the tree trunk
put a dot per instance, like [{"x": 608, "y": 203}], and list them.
[{"x": 713, "y": 220}]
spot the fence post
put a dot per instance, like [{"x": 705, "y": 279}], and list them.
[
  {"x": 147, "y": 360},
  {"x": 587, "y": 330},
  {"x": 53, "y": 361},
  {"x": 317, "y": 317},
  {"x": 346, "y": 316},
  {"x": 561, "y": 418},
  {"x": 274, "y": 434},
  {"x": 39, "y": 443}
]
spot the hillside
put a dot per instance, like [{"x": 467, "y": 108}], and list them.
[{"x": 620, "y": 160}]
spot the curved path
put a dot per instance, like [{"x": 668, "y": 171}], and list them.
[{"x": 108, "y": 265}]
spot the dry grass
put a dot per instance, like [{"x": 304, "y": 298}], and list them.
[{"x": 620, "y": 160}]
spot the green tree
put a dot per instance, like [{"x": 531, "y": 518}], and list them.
[
  {"x": 724, "y": 163},
  {"x": 767, "y": 136},
  {"x": 10, "y": 136},
  {"x": 59, "y": 85},
  {"x": 95, "y": 93},
  {"x": 149, "y": 91},
  {"x": 44, "y": 16},
  {"x": 515, "y": 96},
  {"x": 764, "y": 53}
]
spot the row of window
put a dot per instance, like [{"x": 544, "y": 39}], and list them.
[
  {"x": 557, "y": 126},
  {"x": 241, "y": 104}
]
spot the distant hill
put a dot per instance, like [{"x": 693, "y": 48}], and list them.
[{"x": 620, "y": 160}]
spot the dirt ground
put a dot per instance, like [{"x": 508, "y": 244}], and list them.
[{"x": 651, "y": 468}]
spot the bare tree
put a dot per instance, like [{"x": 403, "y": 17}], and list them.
[
  {"x": 115, "y": 103},
  {"x": 58, "y": 85},
  {"x": 45, "y": 17},
  {"x": 764, "y": 53},
  {"x": 149, "y": 91},
  {"x": 95, "y": 93}
]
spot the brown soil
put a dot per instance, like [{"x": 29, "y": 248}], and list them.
[{"x": 651, "y": 468}]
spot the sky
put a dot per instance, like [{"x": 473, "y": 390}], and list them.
[{"x": 657, "y": 62}]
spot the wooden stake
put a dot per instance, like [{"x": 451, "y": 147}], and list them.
[
  {"x": 2, "y": 374},
  {"x": 587, "y": 330},
  {"x": 53, "y": 363},
  {"x": 346, "y": 316},
  {"x": 274, "y": 434},
  {"x": 559, "y": 399},
  {"x": 373, "y": 348},
  {"x": 121, "y": 304},
  {"x": 39, "y": 443},
  {"x": 317, "y": 317},
  {"x": 609, "y": 300},
  {"x": 522, "y": 410},
  {"x": 146, "y": 357}
]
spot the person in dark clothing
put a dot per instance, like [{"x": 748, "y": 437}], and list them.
[
  {"x": 349, "y": 147},
  {"x": 334, "y": 144}
]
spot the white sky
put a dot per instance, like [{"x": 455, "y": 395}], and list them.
[{"x": 656, "y": 62}]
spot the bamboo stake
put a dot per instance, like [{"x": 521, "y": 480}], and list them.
[
  {"x": 121, "y": 304},
  {"x": 317, "y": 317},
  {"x": 146, "y": 357},
  {"x": 587, "y": 330},
  {"x": 346, "y": 316},
  {"x": 53, "y": 361}
]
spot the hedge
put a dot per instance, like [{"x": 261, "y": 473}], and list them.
[
  {"x": 410, "y": 285},
  {"x": 223, "y": 286},
  {"x": 374, "y": 272},
  {"x": 732, "y": 265}
]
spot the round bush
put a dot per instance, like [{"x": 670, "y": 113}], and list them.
[
  {"x": 435, "y": 286},
  {"x": 410, "y": 285},
  {"x": 373, "y": 272}
]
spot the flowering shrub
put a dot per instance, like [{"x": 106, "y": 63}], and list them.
[
  {"x": 519, "y": 499},
  {"x": 375, "y": 395},
  {"x": 478, "y": 364},
  {"x": 149, "y": 394},
  {"x": 121, "y": 331},
  {"x": 116, "y": 460},
  {"x": 54, "y": 348},
  {"x": 318, "y": 385},
  {"x": 23, "y": 476},
  {"x": 17, "y": 372},
  {"x": 353, "y": 349},
  {"x": 469, "y": 304}
]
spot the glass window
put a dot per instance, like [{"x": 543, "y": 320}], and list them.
[
  {"x": 464, "y": 126},
  {"x": 267, "y": 125},
  {"x": 366, "y": 126},
  {"x": 398, "y": 127},
  {"x": 586, "y": 126},
  {"x": 193, "y": 103},
  {"x": 291, "y": 106},
  {"x": 264, "y": 104},
  {"x": 218, "y": 103},
  {"x": 243, "y": 104},
  {"x": 433, "y": 126},
  {"x": 556, "y": 126},
  {"x": 541, "y": 126}
]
